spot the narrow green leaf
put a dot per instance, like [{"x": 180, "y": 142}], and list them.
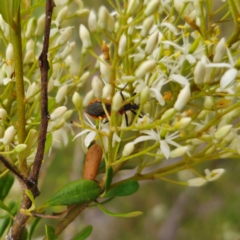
[
  {"x": 85, "y": 232},
  {"x": 109, "y": 177},
  {"x": 126, "y": 215},
  {"x": 4, "y": 222},
  {"x": 6, "y": 183},
  {"x": 124, "y": 189},
  {"x": 4, "y": 207},
  {"x": 50, "y": 233},
  {"x": 6, "y": 11},
  {"x": 24, "y": 234},
  {"x": 80, "y": 191},
  {"x": 33, "y": 226}
]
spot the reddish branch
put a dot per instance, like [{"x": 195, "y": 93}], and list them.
[{"x": 21, "y": 219}]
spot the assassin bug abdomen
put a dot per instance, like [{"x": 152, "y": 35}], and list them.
[{"x": 95, "y": 108}]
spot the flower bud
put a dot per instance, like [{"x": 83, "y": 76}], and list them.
[
  {"x": 97, "y": 87},
  {"x": 152, "y": 7},
  {"x": 107, "y": 91},
  {"x": 105, "y": 72},
  {"x": 65, "y": 36},
  {"x": 122, "y": 45},
  {"x": 29, "y": 57},
  {"x": 67, "y": 50},
  {"x": 144, "y": 68},
  {"x": 67, "y": 114},
  {"x": 31, "y": 27},
  {"x": 92, "y": 21},
  {"x": 167, "y": 115},
  {"x": 40, "y": 25},
  {"x": 57, "y": 113},
  {"x": 208, "y": 102},
  {"x": 62, "y": 15},
  {"x": 32, "y": 90},
  {"x": 183, "y": 123},
  {"x": 220, "y": 51},
  {"x": 77, "y": 100},
  {"x": 196, "y": 182},
  {"x": 9, "y": 52},
  {"x": 128, "y": 149},
  {"x": 117, "y": 101},
  {"x": 103, "y": 17},
  {"x": 133, "y": 6},
  {"x": 110, "y": 23},
  {"x": 223, "y": 131},
  {"x": 88, "y": 97},
  {"x": 151, "y": 43},
  {"x": 199, "y": 73},
  {"x": 228, "y": 77},
  {"x": 85, "y": 36},
  {"x": 8, "y": 135},
  {"x": 61, "y": 93},
  {"x": 147, "y": 25},
  {"x": 3, "y": 114},
  {"x": 145, "y": 95},
  {"x": 130, "y": 28},
  {"x": 178, "y": 152},
  {"x": 183, "y": 98},
  {"x": 20, "y": 147}
]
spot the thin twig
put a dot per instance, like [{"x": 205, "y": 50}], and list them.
[{"x": 21, "y": 219}]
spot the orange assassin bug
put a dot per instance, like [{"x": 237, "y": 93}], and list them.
[{"x": 95, "y": 108}]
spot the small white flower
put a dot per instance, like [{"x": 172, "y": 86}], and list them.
[
  {"x": 214, "y": 174},
  {"x": 228, "y": 77},
  {"x": 156, "y": 136}
]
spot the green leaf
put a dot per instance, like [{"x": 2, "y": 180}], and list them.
[
  {"x": 24, "y": 234},
  {"x": 126, "y": 215},
  {"x": 4, "y": 222},
  {"x": 109, "y": 177},
  {"x": 50, "y": 233},
  {"x": 80, "y": 191},
  {"x": 85, "y": 232},
  {"x": 6, "y": 11},
  {"x": 124, "y": 189},
  {"x": 4, "y": 207},
  {"x": 33, "y": 226},
  {"x": 6, "y": 183},
  {"x": 48, "y": 143}
]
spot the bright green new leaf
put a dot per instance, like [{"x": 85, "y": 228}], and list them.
[
  {"x": 126, "y": 215},
  {"x": 30, "y": 141},
  {"x": 80, "y": 191},
  {"x": 124, "y": 189},
  {"x": 33, "y": 226},
  {"x": 85, "y": 232},
  {"x": 50, "y": 233}
]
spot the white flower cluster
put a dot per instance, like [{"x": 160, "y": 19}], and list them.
[{"x": 188, "y": 76}]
